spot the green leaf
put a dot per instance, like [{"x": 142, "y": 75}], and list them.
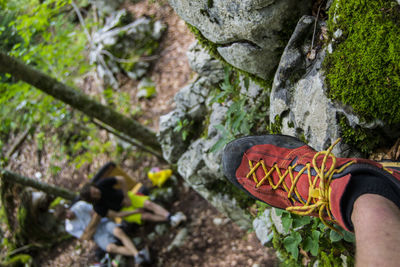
[
  {"x": 311, "y": 243},
  {"x": 291, "y": 244},
  {"x": 335, "y": 236},
  {"x": 286, "y": 222},
  {"x": 54, "y": 169},
  {"x": 219, "y": 144},
  {"x": 349, "y": 237},
  {"x": 237, "y": 121},
  {"x": 55, "y": 202},
  {"x": 279, "y": 212},
  {"x": 184, "y": 135},
  {"x": 146, "y": 88},
  {"x": 222, "y": 130},
  {"x": 316, "y": 234},
  {"x": 178, "y": 128},
  {"x": 226, "y": 87},
  {"x": 300, "y": 221},
  {"x": 246, "y": 82}
]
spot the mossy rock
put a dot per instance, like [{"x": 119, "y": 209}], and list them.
[
  {"x": 364, "y": 69},
  {"x": 212, "y": 50}
]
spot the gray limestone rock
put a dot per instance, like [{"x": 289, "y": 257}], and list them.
[
  {"x": 193, "y": 94},
  {"x": 277, "y": 222},
  {"x": 262, "y": 227},
  {"x": 250, "y": 58},
  {"x": 158, "y": 30},
  {"x": 298, "y": 94},
  {"x": 197, "y": 112},
  {"x": 171, "y": 141},
  {"x": 161, "y": 229},
  {"x": 249, "y": 34},
  {"x": 200, "y": 168},
  {"x": 228, "y": 205},
  {"x": 252, "y": 90},
  {"x": 217, "y": 116},
  {"x": 186, "y": 98},
  {"x": 193, "y": 169},
  {"x": 213, "y": 160},
  {"x": 205, "y": 65},
  {"x": 192, "y": 161},
  {"x": 179, "y": 239}
]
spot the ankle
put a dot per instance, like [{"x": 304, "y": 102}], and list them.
[{"x": 366, "y": 187}]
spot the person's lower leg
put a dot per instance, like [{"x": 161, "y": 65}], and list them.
[
  {"x": 157, "y": 209},
  {"x": 112, "y": 248},
  {"x": 376, "y": 223},
  {"x": 125, "y": 241},
  {"x": 153, "y": 217}
]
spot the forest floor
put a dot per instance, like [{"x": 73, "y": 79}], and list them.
[{"x": 212, "y": 239}]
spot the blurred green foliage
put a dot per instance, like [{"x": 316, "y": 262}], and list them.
[
  {"x": 44, "y": 36},
  {"x": 47, "y": 35}
]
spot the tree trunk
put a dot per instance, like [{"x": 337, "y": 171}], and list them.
[
  {"x": 48, "y": 189},
  {"x": 78, "y": 100}
]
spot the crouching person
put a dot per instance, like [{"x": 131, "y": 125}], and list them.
[
  {"x": 105, "y": 235},
  {"x": 110, "y": 198}
]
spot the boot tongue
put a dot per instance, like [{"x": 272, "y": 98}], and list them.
[{"x": 338, "y": 187}]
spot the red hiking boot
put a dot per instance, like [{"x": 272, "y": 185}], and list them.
[{"x": 285, "y": 173}]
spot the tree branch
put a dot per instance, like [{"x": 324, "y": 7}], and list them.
[
  {"x": 20, "y": 140},
  {"x": 78, "y": 100},
  {"x": 127, "y": 139},
  {"x": 49, "y": 189}
]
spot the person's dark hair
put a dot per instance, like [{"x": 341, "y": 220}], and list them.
[{"x": 85, "y": 193}]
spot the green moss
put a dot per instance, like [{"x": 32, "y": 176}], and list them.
[
  {"x": 206, "y": 123},
  {"x": 276, "y": 126},
  {"x": 365, "y": 140},
  {"x": 212, "y": 50},
  {"x": 364, "y": 69},
  {"x": 303, "y": 138}
]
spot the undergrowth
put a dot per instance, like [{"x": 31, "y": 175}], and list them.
[
  {"x": 243, "y": 116},
  {"x": 304, "y": 240}
]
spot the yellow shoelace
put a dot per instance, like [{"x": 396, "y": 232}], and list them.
[{"x": 318, "y": 198}]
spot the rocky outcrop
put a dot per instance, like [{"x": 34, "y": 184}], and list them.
[
  {"x": 200, "y": 169},
  {"x": 247, "y": 34},
  {"x": 191, "y": 104},
  {"x": 298, "y": 97},
  {"x": 250, "y": 34}
]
